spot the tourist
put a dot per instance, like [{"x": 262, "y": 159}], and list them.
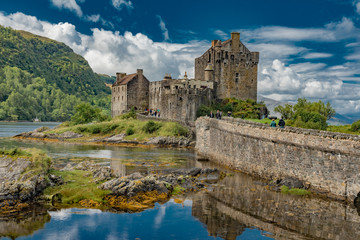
[
  {"x": 229, "y": 113},
  {"x": 281, "y": 123},
  {"x": 211, "y": 114},
  {"x": 273, "y": 123},
  {"x": 218, "y": 115},
  {"x": 158, "y": 112}
]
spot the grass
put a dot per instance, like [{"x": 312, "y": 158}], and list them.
[
  {"x": 78, "y": 186},
  {"x": 294, "y": 191},
  {"x": 134, "y": 129},
  {"x": 177, "y": 190},
  {"x": 41, "y": 162}
]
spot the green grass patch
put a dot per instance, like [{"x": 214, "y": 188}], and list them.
[
  {"x": 140, "y": 130},
  {"x": 294, "y": 191},
  {"x": 78, "y": 186},
  {"x": 177, "y": 190}
]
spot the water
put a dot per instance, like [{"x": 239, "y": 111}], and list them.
[
  {"x": 9, "y": 129},
  {"x": 239, "y": 207}
]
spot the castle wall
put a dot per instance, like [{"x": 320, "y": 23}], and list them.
[
  {"x": 328, "y": 162},
  {"x": 118, "y": 100}
]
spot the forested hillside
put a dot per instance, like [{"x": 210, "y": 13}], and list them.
[{"x": 43, "y": 78}]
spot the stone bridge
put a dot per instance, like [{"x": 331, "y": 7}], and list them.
[{"x": 328, "y": 163}]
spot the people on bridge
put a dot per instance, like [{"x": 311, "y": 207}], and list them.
[
  {"x": 211, "y": 115},
  {"x": 273, "y": 123},
  {"x": 218, "y": 115},
  {"x": 281, "y": 123}
]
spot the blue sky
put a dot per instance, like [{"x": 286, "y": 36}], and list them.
[{"x": 307, "y": 48}]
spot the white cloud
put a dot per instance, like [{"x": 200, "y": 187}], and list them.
[
  {"x": 163, "y": 28},
  {"x": 69, "y": 5},
  {"x": 119, "y": 4},
  {"x": 110, "y": 52},
  {"x": 357, "y": 6},
  {"x": 221, "y": 34},
  {"x": 93, "y": 18},
  {"x": 315, "y": 55},
  {"x": 332, "y": 32}
]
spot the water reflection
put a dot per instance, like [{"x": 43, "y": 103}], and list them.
[
  {"x": 25, "y": 223},
  {"x": 241, "y": 201},
  {"x": 237, "y": 208}
]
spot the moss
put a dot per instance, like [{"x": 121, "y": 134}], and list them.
[
  {"x": 177, "y": 190},
  {"x": 138, "y": 203},
  {"x": 294, "y": 191},
  {"x": 78, "y": 186}
]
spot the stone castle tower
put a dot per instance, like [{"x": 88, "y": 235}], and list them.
[{"x": 231, "y": 66}]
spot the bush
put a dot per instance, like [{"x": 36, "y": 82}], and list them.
[
  {"x": 180, "y": 130},
  {"x": 131, "y": 114},
  {"x": 151, "y": 127},
  {"x": 130, "y": 131},
  {"x": 355, "y": 127}
]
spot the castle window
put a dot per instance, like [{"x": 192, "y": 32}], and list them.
[
  {"x": 232, "y": 58},
  {"x": 118, "y": 98},
  {"x": 122, "y": 98},
  {"x": 194, "y": 86},
  {"x": 226, "y": 55},
  {"x": 236, "y": 77},
  {"x": 209, "y": 57},
  {"x": 114, "y": 99}
]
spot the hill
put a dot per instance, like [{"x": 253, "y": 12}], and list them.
[{"x": 27, "y": 60}]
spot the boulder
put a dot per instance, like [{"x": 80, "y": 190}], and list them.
[
  {"x": 291, "y": 183},
  {"x": 21, "y": 179}
]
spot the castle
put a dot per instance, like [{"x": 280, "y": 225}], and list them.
[{"x": 227, "y": 69}]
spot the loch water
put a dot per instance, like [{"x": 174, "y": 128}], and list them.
[{"x": 238, "y": 207}]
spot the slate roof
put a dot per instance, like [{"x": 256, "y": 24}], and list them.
[{"x": 125, "y": 80}]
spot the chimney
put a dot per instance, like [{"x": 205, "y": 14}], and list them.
[
  {"x": 214, "y": 42},
  {"x": 235, "y": 41},
  {"x": 235, "y": 36},
  {"x": 120, "y": 76}
]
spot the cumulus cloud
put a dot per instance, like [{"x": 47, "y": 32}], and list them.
[
  {"x": 119, "y": 4},
  {"x": 284, "y": 83},
  {"x": 110, "y": 52},
  {"x": 70, "y": 5}
]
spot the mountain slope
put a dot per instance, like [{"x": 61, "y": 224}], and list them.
[
  {"x": 43, "y": 78},
  {"x": 51, "y": 60}
]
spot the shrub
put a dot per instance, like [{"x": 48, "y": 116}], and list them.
[
  {"x": 151, "y": 127},
  {"x": 355, "y": 127},
  {"x": 131, "y": 114},
  {"x": 130, "y": 131},
  {"x": 180, "y": 130}
]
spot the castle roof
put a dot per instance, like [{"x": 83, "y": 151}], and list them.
[{"x": 125, "y": 80}]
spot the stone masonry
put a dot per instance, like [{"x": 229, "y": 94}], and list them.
[
  {"x": 231, "y": 66},
  {"x": 328, "y": 162},
  {"x": 129, "y": 91}
]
